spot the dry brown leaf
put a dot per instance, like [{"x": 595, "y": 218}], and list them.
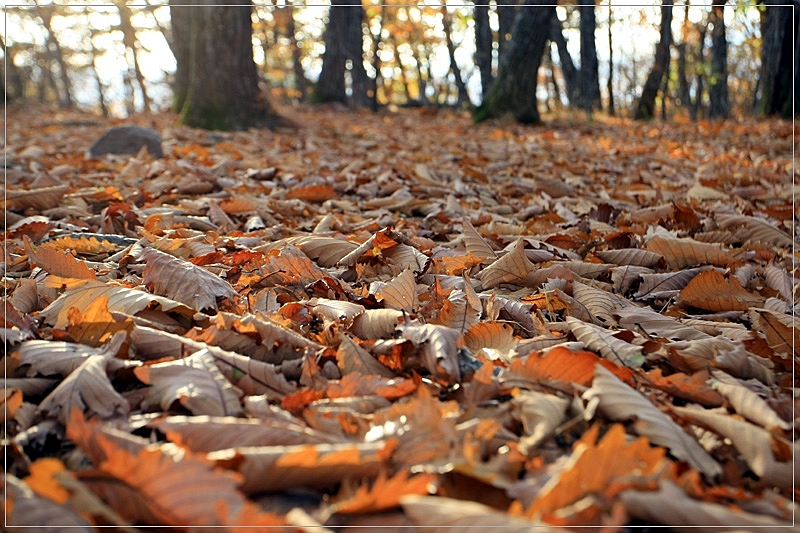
[
  {"x": 195, "y": 382},
  {"x": 514, "y": 267},
  {"x": 350, "y": 357},
  {"x": 712, "y": 291},
  {"x": 94, "y": 325},
  {"x": 86, "y": 389},
  {"x": 120, "y": 299},
  {"x": 56, "y": 262},
  {"x": 683, "y": 253},
  {"x": 619, "y": 402},
  {"x": 753, "y": 443},
  {"x": 274, "y": 468},
  {"x": 399, "y": 293},
  {"x": 184, "y": 282}
]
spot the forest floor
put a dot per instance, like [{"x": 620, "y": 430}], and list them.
[{"x": 401, "y": 319}]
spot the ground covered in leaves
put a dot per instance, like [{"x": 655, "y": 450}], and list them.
[{"x": 400, "y": 319}]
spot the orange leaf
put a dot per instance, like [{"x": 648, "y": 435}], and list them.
[
  {"x": 42, "y": 479},
  {"x": 313, "y": 193},
  {"x": 603, "y": 467},
  {"x": 563, "y": 364},
  {"x": 712, "y": 291},
  {"x": 95, "y": 325},
  {"x": 385, "y": 493}
]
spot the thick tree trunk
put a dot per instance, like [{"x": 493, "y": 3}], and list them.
[
  {"x": 514, "y": 90},
  {"x": 571, "y": 73},
  {"x": 590, "y": 79},
  {"x": 506, "y": 12},
  {"x": 718, "y": 104},
  {"x": 483, "y": 46},
  {"x": 216, "y": 80},
  {"x": 645, "y": 107},
  {"x": 775, "y": 94},
  {"x": 343, "y": 41}
]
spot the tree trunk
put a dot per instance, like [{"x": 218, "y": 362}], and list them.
[
  {"x": 571, "y": 73},
  {"x": 376, "y": 61},
  {"x": 697, "y": 106},
  {"x": 514, "y": 90},
  {"x": 216, "y": 83},
  {"x": 54, "y": 52},
  {"x": 463, "y": 97},
  {"x": 718, "y": 103},
  {"x": 506, "y": 12},
  {"x": 300, "y": 80},
  {"x": 589, "y": 77},
  {"x": 129, "y": 40},
  {"x": 775, "y": 95},
  {"x": 483, "y": 46},
  {"x": 343, "y": 41},
  {"x": 645, "y": 107},
  {"x": 610, "y": 82}
]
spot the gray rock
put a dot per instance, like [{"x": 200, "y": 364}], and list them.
[{"x": 127, "y": 140}]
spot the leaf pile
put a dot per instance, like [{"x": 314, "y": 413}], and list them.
[{"x": 401, "y": 319}]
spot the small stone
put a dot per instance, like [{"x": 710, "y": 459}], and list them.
[{"x": 127, "y": 140}]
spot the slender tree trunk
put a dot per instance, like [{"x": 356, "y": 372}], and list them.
[
  {"x": 568, "y": 69},
  {"x": 483, "y": 45},
  {"x": 645, "y": 107},
  {"x": 376, "y": 60},
  {"x": 16, "y": 88},
  {"x": 718, "y": 104},
  {"x": 129, "y": 40},
  {"x": 610, "y": 82},
  {"x": 55, "y": 52},
  {"x": 589, "y": 77},
  {"x": 300, "y": 80},
  {"x": 697, "y": 106},
  {"x": 463, "y": 97},
  {"x": 514, "y": 90},
  {"x": 217, "y": 80}
]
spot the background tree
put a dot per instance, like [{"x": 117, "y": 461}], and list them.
[
  {"x": 645, "y": 107},
  {"x": 589, "y": 77},
  {"x": 343, "y": 55},
  {"x": 778, "y": 72},
  {"x": 568, "y": 69},
  {"x": 719, "y": 106},
  {"x": 216, "y": 82},
  {"x": 514, "y": 90},
  {"x": 483, "y": 45}
]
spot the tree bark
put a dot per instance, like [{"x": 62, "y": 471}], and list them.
[
  {"x": 645, "y": 107},
  {"x": 130, "y": 42},
  {"x": 775, "y": 94},
  {"x": 610, "y": 82},
  {"x": 589, "y": 77},
  {"x": 216, "y": 85},
  {"x": 718, "y": 104},
  {"x": 514, "y": 90},
  {"x": 571, "y": 74},
  {"x": 483, "y": 46},
  {"x": 463, "y": 97},
  {"x": 343, "y": 43},
  {"x": 300, "y": 81},
  {"x": 506, "y": 12}
]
